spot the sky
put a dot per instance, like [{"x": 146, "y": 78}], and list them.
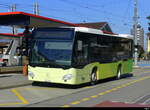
[{"x": 118, "y": 13}]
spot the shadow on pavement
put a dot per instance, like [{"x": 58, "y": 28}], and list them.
[
  {"x": 129, "y": 75},
  {"x": 5, "y": 76},
  {"x": 54, "y": 85}
]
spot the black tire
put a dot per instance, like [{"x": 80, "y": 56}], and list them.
[
  {"x": 118, "y": 73},
  {"x": 93, "y": 77}
]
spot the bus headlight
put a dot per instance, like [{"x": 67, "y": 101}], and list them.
[
  {"x": 67, "y": 77},
  {"x": 31, "y": 74}
]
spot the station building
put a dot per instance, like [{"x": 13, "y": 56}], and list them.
[
  {"x": 148, "y": 42},
  {"x": 9, "y": 49}
]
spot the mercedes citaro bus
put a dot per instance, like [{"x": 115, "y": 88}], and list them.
[{"x": 77, "y": 55}]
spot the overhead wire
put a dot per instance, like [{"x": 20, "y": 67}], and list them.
[
  {"x": 93, "y": 7},
  {"x": 20, "y": 5}
]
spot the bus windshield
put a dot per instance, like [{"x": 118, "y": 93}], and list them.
[
  {"x": 51, "y": 52},
  {"x": 48, "y": 52}
]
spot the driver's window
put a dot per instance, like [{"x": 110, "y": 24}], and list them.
[{"x": 81, "y": 50}]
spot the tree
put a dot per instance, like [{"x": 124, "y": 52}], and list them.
[
  {"x": 140, "y": 51},
  {"x": 148, "y": 17}
]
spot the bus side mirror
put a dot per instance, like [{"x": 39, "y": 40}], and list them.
[{"x": 79, "y": 44}]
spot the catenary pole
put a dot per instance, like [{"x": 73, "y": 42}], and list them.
[
  {"x": 135, "y": 18},
  {"x": 36, "y": 8},
  {"x": 14, "y": 29}
]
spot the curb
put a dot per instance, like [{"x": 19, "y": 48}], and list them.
[
  {"x": 12, "y": 69},
  {"x": 141, "y": 67}
]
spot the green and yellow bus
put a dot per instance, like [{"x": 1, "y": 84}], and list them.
[{"x": 77, "y": 55}]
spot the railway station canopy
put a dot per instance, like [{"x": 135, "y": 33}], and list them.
[
  {"x": 22, "y": 19},
  {"x": 9, "y": 36}
]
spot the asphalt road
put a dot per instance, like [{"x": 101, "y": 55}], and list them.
[{"x": 129, "y": 89}]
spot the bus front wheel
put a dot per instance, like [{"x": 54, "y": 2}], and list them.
[{"x": 93, "y": 77}]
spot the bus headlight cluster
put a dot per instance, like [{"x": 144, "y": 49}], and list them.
[
  {"x": 67, "y": 77},
  {"x": 31, "y": 74}
]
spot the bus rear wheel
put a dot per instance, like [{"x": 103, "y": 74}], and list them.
[{"x": 93, "y": 77}]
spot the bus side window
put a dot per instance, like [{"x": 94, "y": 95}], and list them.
[
  {"x": 79, "y": 45},
  {"x": 80, "y": 56},
  {"x": 77, "y": 52},
  {"x": 82, "y": 52}
]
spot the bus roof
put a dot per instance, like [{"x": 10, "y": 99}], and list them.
[
  {"x": 90, "y": 30},
  {"x": 96, "y": 31}
]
